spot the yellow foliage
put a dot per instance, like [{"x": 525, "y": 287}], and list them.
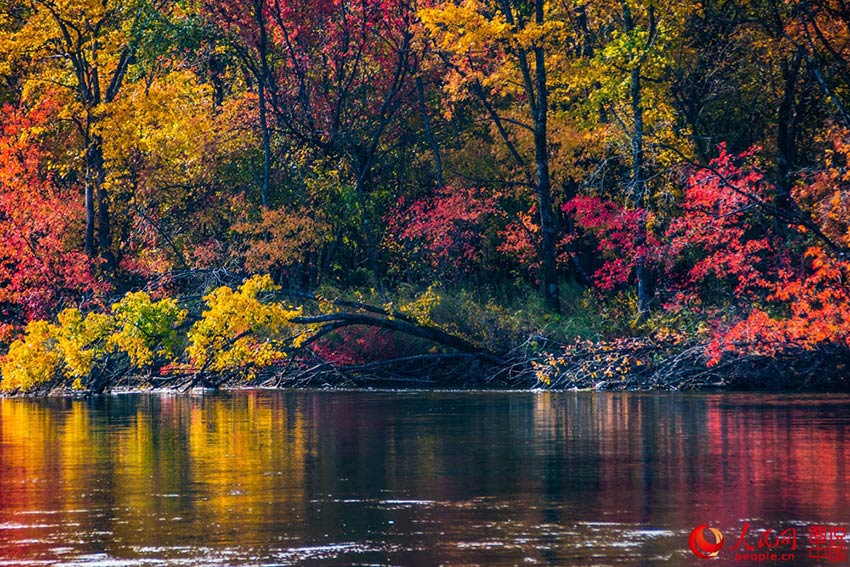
[
  {"x": 238, "y": 330},
  {"x": 31, "y": 360},
  {"x": 146, "y": 329},
  {"x": 143, "y": 329},
  {"x": 420, "y": 308},
  {"x": 170, "y": 123},
  {"x": 464, "y": 27},
  {"x": 81, "y": 341}
]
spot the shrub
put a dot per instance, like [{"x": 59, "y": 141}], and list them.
[{"x": 238, "y": 330}]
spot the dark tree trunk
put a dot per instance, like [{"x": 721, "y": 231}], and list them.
[
  {"x": 267, "y": 147},
  {"x": 429, "y": 133},
  {"x": 543, "y": 183},
  {"x": 265, "y": 80},
  {"x": 786, "y": 131},
  {"x": 104, "y": 227},
  {"x": 643, "y": 272},
  {"x": 97, "y": 205},
  {"x": 91, "y": 248}
]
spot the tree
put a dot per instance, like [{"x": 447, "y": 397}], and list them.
[
  {"x": 448, "y": 227},
  {"x": 335, "y": 76},
  {"x": 83, "y": 49},
  {"x": 42, "y": 263},
  {"x": 174, "y": 163},
  {"x": 628, "y": 51},
  {"x": 496, "y": 53}
]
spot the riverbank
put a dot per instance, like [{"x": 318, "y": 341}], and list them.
[
  {"x": 259, "y": 335},
  {"x": 632, "y": 364}
]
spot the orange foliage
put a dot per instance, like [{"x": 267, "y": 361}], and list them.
[
  {"x": 808, "y": 307},
  {"x": 827, "y": 195},
  {"x": 281, "y": 237},
  {"x": 41, "y": 263}
]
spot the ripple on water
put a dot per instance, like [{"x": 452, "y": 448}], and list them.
[{"x": 18, "y": 526}]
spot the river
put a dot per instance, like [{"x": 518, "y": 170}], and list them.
[{"x": 421, "y": 478}]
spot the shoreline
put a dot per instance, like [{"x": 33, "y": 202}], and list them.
[
  {"x": 74, "y": 395},
  {"x": 633, "y": 364},
  {"x": 143, "y": 385}
]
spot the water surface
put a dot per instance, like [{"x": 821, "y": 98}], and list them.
[{"x": 415, "y": 479}]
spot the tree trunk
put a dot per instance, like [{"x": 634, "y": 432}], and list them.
[
  {"x": 786, "y": 132},
  {"x": 97, "y": 205},
  {"x": 91, "y": 248},
  {"x": 265, "y": 80},
  {"x": 429, "y": 133},
  {"x": 643, "y": 272},
  {"x": 543, "y": 183},
  {"x": 104, "y": 228},
  {"x": 267, "y": 149},
  {"x": 366, "y": 231}
]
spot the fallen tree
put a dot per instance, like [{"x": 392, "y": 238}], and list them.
[
  {"x": 243, "y": 336},
  {"x": 256, "y": 335}
]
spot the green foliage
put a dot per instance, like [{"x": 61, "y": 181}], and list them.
[{"x": 146, "y": 330}]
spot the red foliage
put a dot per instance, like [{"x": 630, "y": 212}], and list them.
[
  {"x": 720, "y": 236},
  {"x": 521, "y": 240},
  {"x": 807, "y": 310},
  {"x": 720, "y": 228},
  {"x": 333, "y": 68},
  {"x": 723, "y": 250},
  {"x": 358, "y": 345},
  {"x": 447, "y": 226},
  {"x": 41, "y": 264},
  {"x": 731, "y": 241},
  {"x": 622, "y": 236}
]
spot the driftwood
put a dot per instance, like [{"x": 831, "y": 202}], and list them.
[
  {"x": 664, "y": 366},
  {"x": 365, "y": 314},
  {"x": 335, "y": 321}
]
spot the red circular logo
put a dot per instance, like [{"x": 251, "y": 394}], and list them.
[{"x": 703, "y": 548}]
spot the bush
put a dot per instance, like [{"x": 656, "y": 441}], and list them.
[
  {"x": 238, "y": 330},
  {"x": 32, "y": 360}
]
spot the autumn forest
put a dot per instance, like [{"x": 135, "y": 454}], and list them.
[{"x": 522, "y": 193}]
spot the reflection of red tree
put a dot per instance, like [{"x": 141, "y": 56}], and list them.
[
  {"x": 804, "y": 466},
  {"x": 708, "y": 459}
]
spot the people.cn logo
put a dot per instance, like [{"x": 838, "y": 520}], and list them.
[{"x": 703, "y": 548}]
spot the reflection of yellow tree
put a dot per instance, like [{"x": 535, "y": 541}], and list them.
[
  {"x": 227, "y": 456},
  {"x": 78, "y": 449},
  {"x": 52, "y": 453},
  {"x": 138, "y": 473},
  {"x": 24, "y": 431},
  {"x": 242, "y": 450},
  {"x": 23, "y": 456}
]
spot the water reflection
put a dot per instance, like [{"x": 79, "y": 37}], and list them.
[{"x": 318, "y": 478}]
